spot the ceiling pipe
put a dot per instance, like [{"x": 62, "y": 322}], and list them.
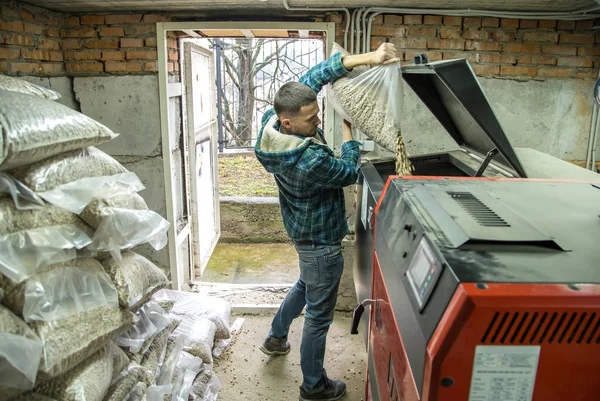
[
  {"x": 345, "y": 10},
  {"x": 357, "y": 46},
  {"x": 351, "y": 33}
]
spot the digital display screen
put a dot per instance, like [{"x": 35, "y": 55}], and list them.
[{"x": 422, "y": 264}]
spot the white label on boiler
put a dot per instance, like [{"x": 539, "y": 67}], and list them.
[{"x": 504, "y": 373}]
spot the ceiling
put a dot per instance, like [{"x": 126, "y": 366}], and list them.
[{"x": 187, "y": 6}]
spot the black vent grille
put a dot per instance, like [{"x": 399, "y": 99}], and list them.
[
  {"x": 543, "y": 328},
  {"x": 478, "y": 210}
]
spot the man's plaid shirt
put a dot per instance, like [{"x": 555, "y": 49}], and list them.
[{"x": 309, "y": 177}]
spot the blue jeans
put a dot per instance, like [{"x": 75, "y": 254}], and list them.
[{"x": 317, "y": 288}]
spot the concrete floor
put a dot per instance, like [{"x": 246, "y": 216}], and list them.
[{"x": 247, "y": 374}]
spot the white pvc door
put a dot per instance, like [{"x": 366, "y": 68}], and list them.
[{"x": 202, "y": 145}]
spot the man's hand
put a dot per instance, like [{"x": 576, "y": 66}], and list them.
[
  {"x": 386, "y": 54},
  {"x": 347, "y": 131}
]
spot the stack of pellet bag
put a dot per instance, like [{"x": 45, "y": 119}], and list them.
[{"x": 77, "y": 318}]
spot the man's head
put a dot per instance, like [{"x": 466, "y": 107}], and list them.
[{"x": 297, "y": 108}]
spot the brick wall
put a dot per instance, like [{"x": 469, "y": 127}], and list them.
[
  {"x": 30, "y": 41},
  {"x": 494, "y": 47}
]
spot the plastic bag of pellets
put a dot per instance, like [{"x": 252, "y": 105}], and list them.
[
  {"x": 32, "y": 239},
  {"x": 206, "y": 385},
  {"x": 153, "y": 358},
  {"x": 199, "y": 335},
  {"x": 23, "y": 197},
  {"x": 20, "y": 352},
  {"x": 33, "y": 129},
  {"x": 13, "y": 84},
  {"x": 88, "y": 381},
  {"x": 372, "y": 99},
  {"x": 188, "y": 303},
  {"x": 68, "y": 342},
  {"x": 151, "y": 318},
  {"x": 135, "y": 277},
  {"x": 127, "y": 380},
  {"x": 61, "y": 291},
  {"x": 137, "y": 393}
]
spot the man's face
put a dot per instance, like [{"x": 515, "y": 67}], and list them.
[{"x": 303, "y": 123}]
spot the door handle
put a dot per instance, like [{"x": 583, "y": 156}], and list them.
[{"x": 358, "y": 312}]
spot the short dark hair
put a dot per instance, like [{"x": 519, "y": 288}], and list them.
[{"x": 292, "y": 96}]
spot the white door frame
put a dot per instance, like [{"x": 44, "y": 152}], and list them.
[{"x": 177, "y": 271}]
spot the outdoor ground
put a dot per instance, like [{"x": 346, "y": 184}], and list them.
[
  {"x": 244, "y": 176},
  {"x": 247, "y": 374}
]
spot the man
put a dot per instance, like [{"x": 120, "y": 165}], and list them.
[{"x": 311, "y": 181}]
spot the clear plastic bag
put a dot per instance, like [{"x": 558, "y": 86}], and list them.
[
  {"x": 23, "y": 197},
  {"x": 33, "y": 129},
  {"x": 61, "y": 291},
  {"x": 125, "y": 383},
  {"x": 135, "y": 277},
  {"x": 67, "y": 167},
  {"x": 13, "y": 84},
  {"x": 165, "y": 377},
  {"x": 152, "y": 318},
  {"x": 206, "y": 386},
  {"x": 99, "y": 209},
  {"x": 24, "y": 253},
  {"x": 70, "y": 341},
  {"x": 75, "y": 196},
  {"x": 188, "y": 367},
  {"x": 137, "y": 393},
  {"x": 220, "y": 345},
  {"x": 199, "y": 335},
  {"x": 87, "y": 381},
  {"x": 215, "y": 309},
  {"x": 20, "y": 353},
  {"x": 124, "y": 229},
  {"x": 154, "y": 356}
]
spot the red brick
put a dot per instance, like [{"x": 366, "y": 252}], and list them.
[
  {"x": 547, "y": 24},
  {"x": 173, "y": 55},
  {"x": 79, "y": 33},
  {"x": 589, "y": 51},
  {"x": 69, "y": 55},
  {"x": 497, "y": 59},
  {"x": 483, "y": 70},
  {"x": 556, "y": 72},
  {"x": 413, "y": 19},
  {"x": 432, "y": 20},
  {"x": 7, "y": 53},
  {"x": 3, "y": 67},
  {"x": 566, "y": 25},
  {"x": 585, "y": 25},
  {"x": 33, "y": 28},
  {"x": 446, "y": 44},
  {"x": 70, "y": 44},
  {"x": 411, "y": 43},
  {"x": 56, "y": 55},
  {"x": 49, "y": 44},
  {"x": 450, "y": 33},
  {"x": 88, "y": 55},
  {"x": 130, "y": 42},
  {"x": 577, "y": 38},
  {"x": 522, "y": 48},
  {"x": 150, "y": 42},
  {"x": 422, "y": 31},
  {"x": 378, "y": 20},
  {"x": 123, "y": 19},
  {"x": 35, "y": 54},
  {"x": 469, "y": 56},
  {"x": 382, "y": 30},
  {"x": 92, "y": 66},
  {"x": 26, "y": 15},
  {"x": 154, "y": 18},
  {"x": 520, "y": 71},
  {"x": 18, "y": 40},
  {"x": 151, "y": 66},
  {"x": 540, "y": 36},
  {"x": 111, "y": 31},
  {"x": 144, "y": 29},
  {"x": 101, "y": 44},
  {"x": 72, "y": 21},
  {"x": 25, "y": 68},
  {"x": 92, "y": 20},
  {"x": 490, "y": 22},
  {"x": 392, "y": 20},
  {"x": 565, "y": 50},
  {"x": 528, "y": 24},
  {"x": 14, "y": 26},
  {"x": 337, "y": 18},
  {"x": 453, "y": 21},
  {"x": 503, "y": 36},
  {"x": 142, "y": 55},
  {"x": 171, "y": 67},
  {"x": 575, "y": 62},
  {"x": 133, "y": 66},
  {"x": 537, "y": 60},
  {"x": 375, "y": 42},
  {"x": 586, "y": 74},
  {"x": 9, "y": 12},
  {"x": 113, "y": 56},
  {"x": 55, "y": 33},
  {"x": 431, "y": 56},
  {"x": 475, "y": 34},
  {"x": 115, "y": 66},
  {"x": 472, "y": 22},
  {"x": 53, "y": 68},
  {"x": 509, "y": 23},
  {"x": 172, "y": 43},
  {"x": 484, "y": 46}
]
